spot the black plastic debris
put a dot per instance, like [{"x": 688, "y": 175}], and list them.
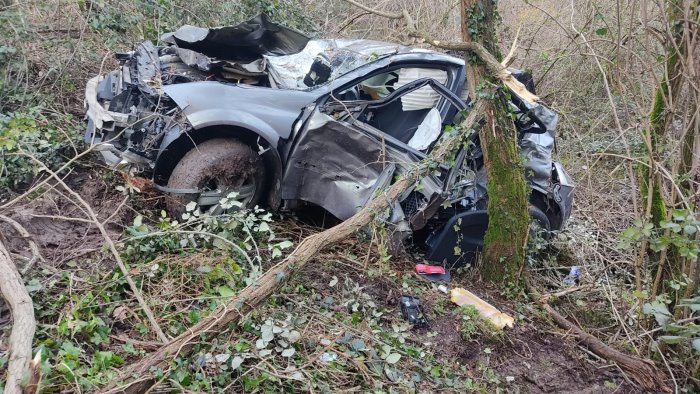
[
  {"x": 246, "y": 41},
  {"x": 413, "y": 312}
]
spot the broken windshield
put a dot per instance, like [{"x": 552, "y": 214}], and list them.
[{"x": 322, "y": 61}]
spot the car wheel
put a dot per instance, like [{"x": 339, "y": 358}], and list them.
[
  {"x": 539, "y": 223},
  {"x": 217, "y": 167}
]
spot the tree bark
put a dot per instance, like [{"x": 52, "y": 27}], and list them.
[
  {"x": 23, "y": 323},
  {"x": 675, "y": 94},
  {"x": 506, "y": 236},
  {"x": 139, "y": 375}
]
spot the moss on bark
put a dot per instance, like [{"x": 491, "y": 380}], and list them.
[{"x": 506, "y": 236}]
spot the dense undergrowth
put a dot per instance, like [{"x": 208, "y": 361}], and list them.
[{"x": 335, "y": 326}]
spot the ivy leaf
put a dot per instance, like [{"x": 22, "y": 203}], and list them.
[
  {"x": 602, "y": 31},
  {"x": 276, "y": 252},
  {"x": 357, "y": 344},
  {"x": 284, "y": 244},
  {"x": 696, "y": 344},
  {"x": 225, "y": 291},
  {"x": 392, "y": 374},
  {"x": 659, "y": 310},
  {"x": 236, "y": 362},
  {"x": 288, "y": 352},
  {"x": 393, "y": 358}
]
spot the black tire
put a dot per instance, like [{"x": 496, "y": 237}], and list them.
[
  {"x": 539, "y": 222},
  {"x": 217, "y": 164}
]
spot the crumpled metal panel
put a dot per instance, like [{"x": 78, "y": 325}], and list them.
[
  {"x": 246, "y": 41},
  {"x": 148, "y": 67},
  {"x": 334, "y": 167},
  {"x": 537, "y": 146},
  {"x": 344, "y": 55}
]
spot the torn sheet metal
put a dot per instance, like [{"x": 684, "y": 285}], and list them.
[
  {"x": 537, "y": 145},
  {"x": 246, "y": 41},
  {"x": 334, "y": 167}
]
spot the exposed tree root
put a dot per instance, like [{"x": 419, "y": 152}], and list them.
[
  {"x": 23, "y": 322},
  {"x": 253, "y": 295},
  {"x": 642, "y": 371}
]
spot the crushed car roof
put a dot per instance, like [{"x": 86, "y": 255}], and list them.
[{"x": 287, "y": 54}]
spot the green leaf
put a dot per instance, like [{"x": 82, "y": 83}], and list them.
[
  {"x": 393, "y": 358},
  {"x": 659, "y": 310},
  {"x": 220, "y": 244},
  {"x": 392, "y": 374},
  {"x": 236, "y": 362},
  {"x": 33, "y": 285},
  {"x": 284, "y": 244},
  {"x": 288, "y": 352},
  {"x": 357, "y": 344},
  {"x": 672, "y": 339},
  {"x": 225, "y": 291},
  {"x": 264, "y": 227},
  {"x": 696, "y": 345}
]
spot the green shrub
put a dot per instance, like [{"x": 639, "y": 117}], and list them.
[{"x": 30, "y": 133}]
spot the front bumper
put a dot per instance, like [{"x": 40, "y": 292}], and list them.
[{"x": 101, "y": 121}]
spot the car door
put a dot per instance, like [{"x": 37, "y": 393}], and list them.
[{"x": 341, "y": 156}]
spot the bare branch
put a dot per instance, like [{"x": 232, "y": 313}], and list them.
[{"x": 376, "y": 12}]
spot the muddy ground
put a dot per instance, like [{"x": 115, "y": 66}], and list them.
[{"x": 532, "y": 357}]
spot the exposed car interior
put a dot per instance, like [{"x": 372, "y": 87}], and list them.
[{"x": 412, "y": 119}]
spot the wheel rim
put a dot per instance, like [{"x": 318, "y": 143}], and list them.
[{"x": 216, "y": 190}]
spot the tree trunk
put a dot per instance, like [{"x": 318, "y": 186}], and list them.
[
  {"x": 675, "y": 94},
  {"x": 506, "y": 237}
]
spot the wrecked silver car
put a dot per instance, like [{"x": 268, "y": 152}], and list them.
[{"x": 285, "y": 121}]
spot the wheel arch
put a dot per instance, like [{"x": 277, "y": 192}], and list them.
[{"x": 173, "y": 150}]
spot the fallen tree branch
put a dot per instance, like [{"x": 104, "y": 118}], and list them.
[
  {"x": 256, "y": 293},
  {"x": 642, "y": 371},
  {"x": 36, "y": 255},
  {"x": 23, "y": 322},
  {"x": 110, "y": 244},
  {"x": 495, "y": 67}
]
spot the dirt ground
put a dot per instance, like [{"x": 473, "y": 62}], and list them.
[{"x": 532, "y": 357}]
